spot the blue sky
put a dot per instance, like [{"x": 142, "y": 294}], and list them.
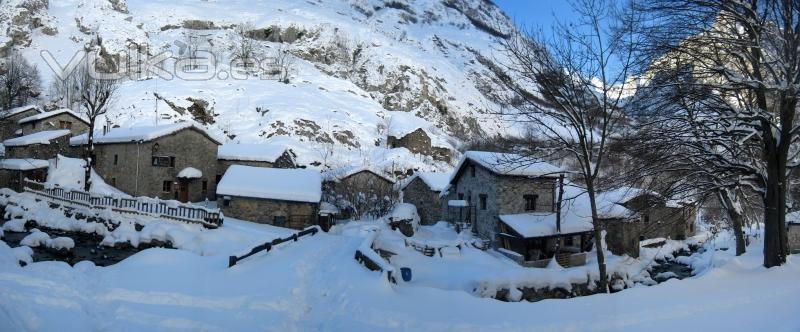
[{"x": 533, "y": 13}]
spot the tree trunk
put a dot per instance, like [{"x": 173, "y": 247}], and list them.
[
  {"x": 736, "y": 217},
  {"x": 775, "y": 236},
  {"x": 87, "y": 157},
  {"x": 598, "y": 245}
]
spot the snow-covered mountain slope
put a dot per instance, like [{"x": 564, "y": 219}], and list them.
[{"x": 361, "y": 68}]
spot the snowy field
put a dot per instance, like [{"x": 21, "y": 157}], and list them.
[{"x": 315, "y": 284}]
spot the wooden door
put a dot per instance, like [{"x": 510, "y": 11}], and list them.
[{"x": 183, "y": 191}]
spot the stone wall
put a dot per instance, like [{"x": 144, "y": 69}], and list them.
[
  {"x": 52, "y": 123},
  {"x": 659, "y": 220},
  {"x": 298, "y": 214},
  {"x": 9, "y": 125},
  {"x": 134, "y": 173},
  {"x": 427, "y": 201},
  {"x": 794, "y": 238},
  {"x": 504, "y": 195},
  {"x": 284, "y": 161},
  {"x": 419, "y": 142},
  {"x": 40, "y": 151},
  {"x": 622, "y": 236}
]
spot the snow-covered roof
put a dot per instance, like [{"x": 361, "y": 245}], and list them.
[
  {"x": 42, "y": 137},
  {"x": 404, "y": 123},
  {"x": 298, "y": 185},
  {"x": 145, "y": 133},
  {"x": 434, "y": 180},
  {"x": 251, "y": 152},
  {"x": 624, "y": 195},
  {"x": 23, "y": 164},
  {"x": 342, "y": 173},
  {"x": 190, "y": 173},
  {"x": 50, "y": 114},
  {"x": 544, "y": 224},
  {"x": 507, "y": 164},
  {"x": 576, "y": 214},
  {"x": 17, "y": 110}
]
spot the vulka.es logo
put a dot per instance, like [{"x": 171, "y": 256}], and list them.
[{"x": 189, "y": 65}]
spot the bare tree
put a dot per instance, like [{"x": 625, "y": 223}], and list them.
[
  {"x": 580, "y": 71},
  {"x": 284, "y": 63},
  {"x": 96, "y": 96},
  {"x": 244, "y": 47},
  {"x": 743, "y": 58},
  {"x": 19, "y": 81}
]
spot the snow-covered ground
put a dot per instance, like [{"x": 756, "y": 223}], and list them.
[{"x": 315, "y": 284}]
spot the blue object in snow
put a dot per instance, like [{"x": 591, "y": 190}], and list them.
[{"x": 406, "y": 273}]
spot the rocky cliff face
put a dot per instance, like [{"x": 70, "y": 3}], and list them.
[{"x": 356, "y": 65}]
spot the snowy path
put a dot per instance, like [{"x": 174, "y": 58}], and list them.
[{"x": 315, "y": 284}]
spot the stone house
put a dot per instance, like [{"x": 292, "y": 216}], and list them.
[
  {"x": 419, "y": 142},
  {"x": 27, "y": 156},
  {"x": 8, "y": 120},
  {"x": 514, "y": 207},
  {"x": 54, "y": 120},
  {"x": 494, "y": 184},
  {"x": 424, "y": 190},
  {"x": 359, "y": 190},
  {"x": 280, "y": 197},
  {"x": 173, "y": 161},
  {"x": 657, "y": 217},
  {"x": 256, "y": 155}
]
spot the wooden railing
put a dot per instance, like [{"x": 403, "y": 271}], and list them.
[
  {"x": 372, "y": 260},
  {"x": 210, "y": 218},
  {"x": 232, "y": 260}
]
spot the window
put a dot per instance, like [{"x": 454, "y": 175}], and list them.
[
  {"x": 226, "y": 201},
  {"x": 482, "y": 198},
  {"x": 205, "y": 188},
  {"x": 279, "y": 221},
  {"x": 64, "y": 125},
  {"x": 116, "y": 159},
  {"x": 472, "y": 170},
  {"x": 646, "y": 218},
  {"x": 113, "y": 182},
  {"x": 163, "y": 161},
  {"x": 166, "y": 186},
  {"x": 530, "y": 202},
  {"x": 460, "y": 196}
]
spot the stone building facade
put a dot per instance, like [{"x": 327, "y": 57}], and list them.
[
  {"x": 419, "y": 142},
  {"x": 286, "y": 160},
  {"x": 426, "y": 199},
  {"x": 149, "y": 165},
  {"x": 359, "y": 191},
  {"x": 55, "y": 147},
  {"x": 54, "y": 120},
  {"x": 491, "y": 194},
  {"x": 657, "y": 219},
  {"x": 622, "y": 236},
  {"x": 280, "y": 213},
  {"x": 793, "y": 232},
  {"x": 9, "y": 118}
]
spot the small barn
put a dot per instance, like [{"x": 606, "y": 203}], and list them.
[
  {"x": 280, "y": 197},
  {"x": 40, "y": 145},
  {"x": 14, "y": 171},
  {"x": 53, "y": 120},
  {"x": 359, "y": 191},
  {"x": 424, "y": 190},
  {"x": 8, "y": 120}
]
